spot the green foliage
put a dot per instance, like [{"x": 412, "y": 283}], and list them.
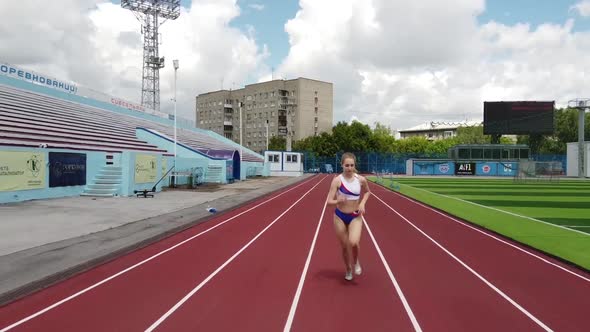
[
  {"x": 359, "y": 137},
  {"x": 277, "y": 143},
  {"x": 414, "y": 144},
  {"x": 566, "y": 130},
  {"x": 382, "y": 140},
  {"x": 322, "y": 145},
  {"x": 472, "y": 135}
]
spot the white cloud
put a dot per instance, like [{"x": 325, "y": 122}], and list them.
[
  {"x": 98, "y": 44},
  {"x": 405, "y": 63},
  {"x": 402, "y": 63},
  {"x": 256, "y": 6},
  {"x": 583, "y": 8}
]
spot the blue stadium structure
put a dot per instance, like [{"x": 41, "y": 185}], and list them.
[{"x": 55, "y": 143}]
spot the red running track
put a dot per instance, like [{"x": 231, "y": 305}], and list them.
[{"x": 274, "y": 264}]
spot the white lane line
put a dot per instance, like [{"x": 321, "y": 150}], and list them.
[
  {"x": 291, "y": 316},
  {"x": 56, "y": 304},
  {"x": 495, "y": 238},
  {"x": 500, "y": 210},
  {"x": 394, "y": 281},
  {"x": 496, "y": 289},
  {"x": 196, "y": 289}
]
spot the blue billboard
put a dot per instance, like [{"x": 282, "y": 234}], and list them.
[
  {"x": 491, "y": 168},
  {"x": 67, "y": 169},
  {"x": 433, "y": 168}
]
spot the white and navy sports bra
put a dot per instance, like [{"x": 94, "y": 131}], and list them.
[{"x": 351, "y": 190}]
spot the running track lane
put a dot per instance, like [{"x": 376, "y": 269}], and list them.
[
  {"x": 133, "y": 300},
  {"x": 329, "y": 303},
  {"x": 443, "y": 295},
  {"x": 557, "y": 295},
  {"x": 254, "y": 291}
]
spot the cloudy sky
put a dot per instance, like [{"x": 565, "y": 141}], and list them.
[{"x": 399, "y": 62}]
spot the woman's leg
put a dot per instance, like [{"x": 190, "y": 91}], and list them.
[
  {"x": 342, "y": 235},
  {"x": 354, "y": 238}
]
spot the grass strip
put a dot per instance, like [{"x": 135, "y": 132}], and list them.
[{"x": 569, "y": 245}]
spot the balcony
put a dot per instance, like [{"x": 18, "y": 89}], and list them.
[
  {"x": 228, "y": 106},
  {"x": 227, "y": 123}
]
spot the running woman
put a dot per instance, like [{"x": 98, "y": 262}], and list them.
[{"x": 345, "y": 193}]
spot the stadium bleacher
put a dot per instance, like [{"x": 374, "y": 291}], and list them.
[{"x": 30, "y": 119}]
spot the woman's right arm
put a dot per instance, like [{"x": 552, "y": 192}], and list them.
[{"x": 332, "y": 198}]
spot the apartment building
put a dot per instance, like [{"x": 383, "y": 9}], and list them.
[{"x": 294, "y": 109}]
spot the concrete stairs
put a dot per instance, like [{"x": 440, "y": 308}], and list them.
[{"x": 106, "y": 184}]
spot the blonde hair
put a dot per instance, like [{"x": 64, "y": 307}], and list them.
[{"x": 348, "y": 155}]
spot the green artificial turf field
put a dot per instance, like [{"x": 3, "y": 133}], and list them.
[{"x": 526, "y": 212}]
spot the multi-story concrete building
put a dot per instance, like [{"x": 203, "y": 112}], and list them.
[{"x": 295, "y": 109}]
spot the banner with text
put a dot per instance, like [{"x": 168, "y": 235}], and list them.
[
  {"x": 21, "y": 170},
  {"x": 145, "y": 168}
]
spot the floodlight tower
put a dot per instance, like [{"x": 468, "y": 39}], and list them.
[
  {"x": 148, "y": 13},
  {"x": 581, "y": 104}
]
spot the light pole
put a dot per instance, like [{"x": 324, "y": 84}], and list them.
[
  {"x": 266, "y": 135},
  {"x": 241, "y": 143},
  {"x": 175, "y": 63}
]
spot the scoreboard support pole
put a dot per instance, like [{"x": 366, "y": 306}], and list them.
[{"x": 495, "y": 138}]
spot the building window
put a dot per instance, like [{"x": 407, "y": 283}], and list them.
[{"x": 291, "y": 158}]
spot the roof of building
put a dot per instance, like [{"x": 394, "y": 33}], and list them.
[{"x": 442, "y": 125}]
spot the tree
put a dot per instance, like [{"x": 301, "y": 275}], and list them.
[
  {"x": 381, "y": 140},
  {"x": 277, "y": 143},
  {"x": 415, "y": 144},
  {"x": 441, "y": 147},
  {"x": 566, "y": 130},
  {"x": 322, "y": 145},
  {"x": 472, "y": 135},
  {"x": 566, "y": 125}
]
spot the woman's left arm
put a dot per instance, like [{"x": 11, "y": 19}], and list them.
[{"x": 365, "y": 186}]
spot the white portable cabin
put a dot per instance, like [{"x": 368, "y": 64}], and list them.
[{"x": 284, "y": 163}]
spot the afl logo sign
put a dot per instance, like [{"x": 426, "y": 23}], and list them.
[
  {"x": 486, "y": 168},
  {"x": 444, "y": 168}
]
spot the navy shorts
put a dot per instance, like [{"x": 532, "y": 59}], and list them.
[{"x": 347, "y": 217}]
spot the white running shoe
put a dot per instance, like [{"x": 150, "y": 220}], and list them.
[
  {"x": 357, "y": 269},
  {"x": 348, "y": 275}
]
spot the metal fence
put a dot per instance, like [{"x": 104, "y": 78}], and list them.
[{"x": 392, "y": 163}]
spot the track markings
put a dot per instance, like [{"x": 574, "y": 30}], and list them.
[
  {"x": 57, "y": 304},
  {"x": 196, "y": 289},
  {"x": 289, "y": 322},
  {"x": 500, "y": 210},
  {"x": 398, "y": 289},
  {"x": 495, "y": 238},
  {"x": 489, "y": 284}
]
